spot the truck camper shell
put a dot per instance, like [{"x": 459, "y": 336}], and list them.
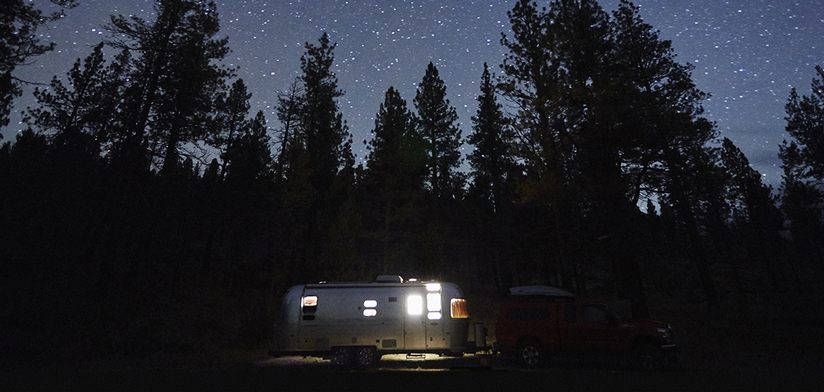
[
  {"x": 357, "y": 322},
  {"x": 540, "y": 293}
]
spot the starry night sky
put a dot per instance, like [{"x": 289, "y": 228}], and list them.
[{"x": 748, "y": 54}]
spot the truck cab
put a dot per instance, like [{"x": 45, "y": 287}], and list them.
[{"x": 539, "y": 322}]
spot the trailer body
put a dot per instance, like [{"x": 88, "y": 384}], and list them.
[{"x": 389, "y": 316}]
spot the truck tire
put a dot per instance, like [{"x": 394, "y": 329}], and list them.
[
  {"x": 367, "y": 357},
  {"x": 531, "y": 353},
  {"x": 647, "y": 356},
  {"x": 342, "y": 357}
]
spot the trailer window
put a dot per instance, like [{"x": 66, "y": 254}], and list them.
[
  {"x": 369, "y": 308},
  {"x": 310, "y": 300},
  {"x": 414, "y": 305},
  {"x": 309, "y": 304},
  {"x": 433, "y": 302},
  {"x": 459, "y": 308}
]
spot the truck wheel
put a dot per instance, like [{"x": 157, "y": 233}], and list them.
[
  {"x": 367, "y": 357},
  {"x": 342, "y": 356},
  {"x": 648, "y": 357},
  {"x": 531, "y": 354}
]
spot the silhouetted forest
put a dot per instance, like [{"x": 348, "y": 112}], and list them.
[{"x": 146, "y": 209}]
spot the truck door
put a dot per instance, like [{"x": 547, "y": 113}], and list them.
[
  {"x": 414, "y": 336},
  {"x": 590, "y": 331}
]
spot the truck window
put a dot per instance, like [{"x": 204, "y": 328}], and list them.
[
  {"x": 527, "y": 314},
  {"x": 570, "y": 315},
  {"x": 593, "y": 314}
]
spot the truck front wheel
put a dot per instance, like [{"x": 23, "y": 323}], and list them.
[
  {"x": 648, "y": 357},
  {"x": 531, "y": 353}
]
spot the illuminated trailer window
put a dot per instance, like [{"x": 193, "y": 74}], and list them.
[
  {"x": 309, "y": 301},
  {"x": 433, "y": 306},
  {"x": 309, "y": 304},
  {"x": 414, "y": 305},
  {"x": 459, "y": 308},
  {"x": 369, "y": 308}
]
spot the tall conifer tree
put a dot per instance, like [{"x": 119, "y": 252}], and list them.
[
  {"x": 436, "y": 121},
  {"x": 491, "y": 161}
]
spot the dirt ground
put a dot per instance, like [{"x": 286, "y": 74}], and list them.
[{"x": 766, "y": 342}]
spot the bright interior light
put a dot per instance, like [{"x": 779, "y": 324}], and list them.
[
  {"x": 433, "y": 287},
  {"x": 310, "y": 300},
  {"x": 433, "y": 302},
  {"x": 370, "y": 303},
  {"x": 434, "y": 315},
  {"x": 370, "y": 312},
  {"x": 414, "y": 305},
  {"x": 459, "y": 308}
]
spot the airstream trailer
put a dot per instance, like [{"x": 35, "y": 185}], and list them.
[{"x": 357, "y": 322}]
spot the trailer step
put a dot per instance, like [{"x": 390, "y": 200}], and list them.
[{"x": 415, "y": 356}]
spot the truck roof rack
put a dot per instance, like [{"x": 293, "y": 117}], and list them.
[{"x": 544, "y": 292}]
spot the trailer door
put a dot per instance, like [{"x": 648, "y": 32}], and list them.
[
  {"x": 415, "y": 326},
  {"x": 434, "y": 318}
]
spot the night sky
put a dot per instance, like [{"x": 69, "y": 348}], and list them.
[{"x": 748, "y": 54}]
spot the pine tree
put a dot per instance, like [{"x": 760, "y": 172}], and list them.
[
  {"x": 174, "y": 81},
  {"x": 73, "y": 115},
  {"x": 436, "y": 124},
  {"x": 805, "y": 124},
  {"x": 755, "y": 213},
  {"x": 492, "y": 163},
  {"x": 394, "y": 179},
  {"x": 802, "y": 159},
  {"x": 395, "y": 157},
  {"x": 803, "y": 204},
  {"x": 319, "y": 163},
  {"x": 325, "y": 135},
  {"x": 249, "y": 158},
  {"x": 231, "y": 120},
  {"x": 605, "y": 113},
  {"x": 289, "y": 113},
  {"x": 19, "y": 21}
]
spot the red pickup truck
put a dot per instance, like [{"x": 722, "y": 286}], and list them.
[{"x": 541, "y": 321}]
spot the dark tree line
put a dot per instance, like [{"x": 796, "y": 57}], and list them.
[{"x": 145, "y": 204}]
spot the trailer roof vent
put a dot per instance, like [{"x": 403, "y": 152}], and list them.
[{"x": 389, "y": 279}]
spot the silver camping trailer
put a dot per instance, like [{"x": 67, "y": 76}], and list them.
[{"x": 357, "y": 322}]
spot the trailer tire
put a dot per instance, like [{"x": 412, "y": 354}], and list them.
[
  {"x": 342, "y": 357},
  {"x": 367, "y": 357}
]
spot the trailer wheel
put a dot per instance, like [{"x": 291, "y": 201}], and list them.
[
  {"x": 368, "y": 357},
  {"x": 342, "y": 356}
]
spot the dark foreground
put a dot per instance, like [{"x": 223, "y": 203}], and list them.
[{"x": 470, "y": 373}]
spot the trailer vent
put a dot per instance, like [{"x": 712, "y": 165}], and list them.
[
  {"x": 389, "y": 343},
  {"x": 389, "y": 279}
]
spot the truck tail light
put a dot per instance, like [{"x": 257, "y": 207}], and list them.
[{"x": 459, "y": 308}]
